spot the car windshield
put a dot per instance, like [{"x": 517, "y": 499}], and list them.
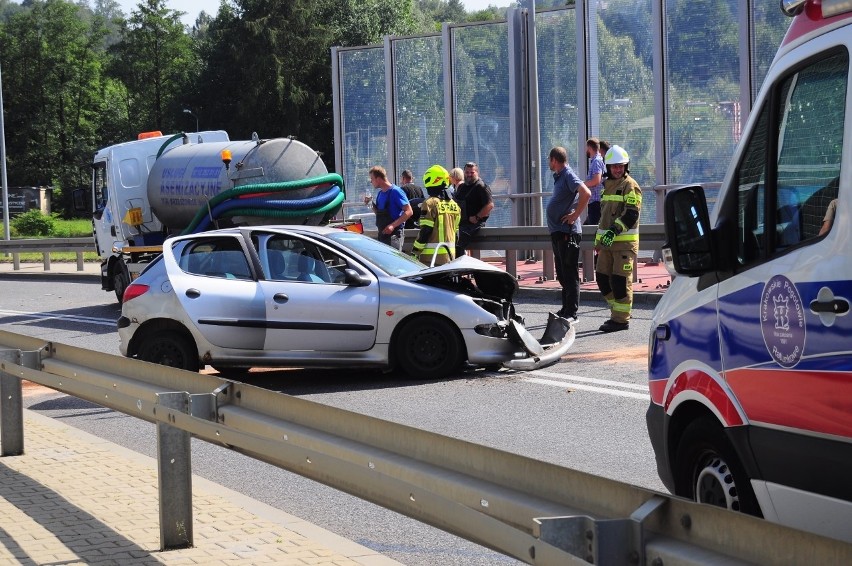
[{"x": 386, "y": 258}]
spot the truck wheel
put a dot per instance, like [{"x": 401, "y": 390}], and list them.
[
  {"x": 169, "y": 349},
  {"x": 707, "y": 469},
  {"x": 428, "y": 347},
  {"x": 120, "y": 280}
]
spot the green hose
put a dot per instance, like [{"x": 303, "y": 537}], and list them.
[
  {"x": 268, "y": 213},
  {"x": 166, "y": 144},
  {"x": 332, "y": 178}
]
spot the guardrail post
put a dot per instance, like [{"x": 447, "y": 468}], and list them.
[
  {"x": 11, "y": 408},
  {"x": 512, "y": 263},
  {"x": 588, "y": 265},
  {"x": 174, "y": 466},
  {"x": 11, "y": 400}
]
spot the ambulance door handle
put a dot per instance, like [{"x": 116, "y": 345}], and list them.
[
  {"x": 663, "y": 332},
  {"x": 835, "y": 306}
]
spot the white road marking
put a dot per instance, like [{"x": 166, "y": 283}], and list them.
[
  {"x": 57, "y": 316},
  {"x": 551, "y": 374},
  {"x": 606, "y": 386}
]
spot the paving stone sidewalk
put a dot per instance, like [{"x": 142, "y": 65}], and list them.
[{"x": 74, "y": 498}]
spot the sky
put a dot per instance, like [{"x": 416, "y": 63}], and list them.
[{"x": 193, "y": 7}]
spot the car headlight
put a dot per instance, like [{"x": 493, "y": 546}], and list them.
[{"x": 492, "y": 330}]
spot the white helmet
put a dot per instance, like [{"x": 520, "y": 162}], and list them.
[{"x": 616, "y": 156}]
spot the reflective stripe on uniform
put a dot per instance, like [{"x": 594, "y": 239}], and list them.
[
  {"x": 620, "y": 307},
  {"x": 631, "y": 198},
  {"x": 631, "y": 235},
  {"x": 441, "y": 248}
]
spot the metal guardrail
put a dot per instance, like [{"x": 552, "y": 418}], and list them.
[
  {"x": 536, "y": 512},
  {"x": 45, "y": 247}
]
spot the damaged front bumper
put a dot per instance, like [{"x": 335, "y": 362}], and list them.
[{"x": 557, "y": 339}]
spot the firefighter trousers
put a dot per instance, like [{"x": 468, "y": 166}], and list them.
[{"x": 614, "y": 274}]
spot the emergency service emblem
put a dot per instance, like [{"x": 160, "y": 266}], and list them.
[{"x": 782, "y": 320}]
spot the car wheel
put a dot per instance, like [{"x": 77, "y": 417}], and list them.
[
  {"x": 120, "y": 280},
  {"x": 707, "y": 469},
  {"x": 428, "y": 347},
  {"x": 169, "y": 349}
]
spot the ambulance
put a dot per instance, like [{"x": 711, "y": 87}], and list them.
[{"x": 750, "y": 360}]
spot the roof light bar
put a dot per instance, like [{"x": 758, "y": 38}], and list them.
[{"x": 834, "y": 7}]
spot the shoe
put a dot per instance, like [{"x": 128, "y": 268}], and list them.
[
  {"x": 563, "y": 314},
  {"x": 612, "y": 326}
]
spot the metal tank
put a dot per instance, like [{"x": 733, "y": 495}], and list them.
[{"x": 185, "y": 177}]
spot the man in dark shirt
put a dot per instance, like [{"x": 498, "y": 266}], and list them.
[
  {"x": 474, "y": 198},
  {"x": 415, "y": 197}
]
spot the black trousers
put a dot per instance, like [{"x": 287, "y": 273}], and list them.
[
  {"x": 466, "y": 233},
  {"x": 566, "y": 256}
]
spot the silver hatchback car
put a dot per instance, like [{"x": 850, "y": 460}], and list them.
[{"x": 307, "y": 296}]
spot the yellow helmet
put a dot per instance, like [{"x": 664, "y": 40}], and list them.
[{"x": 436, "y": 177}]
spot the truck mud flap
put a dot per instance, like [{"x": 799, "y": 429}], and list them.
[{"x": 557, "y": 339}]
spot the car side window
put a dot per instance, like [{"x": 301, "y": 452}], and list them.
[
  {"x": 216, "y": 257},
  {"x": 294, "y": 259},
  {"x": 790, "y": 172}
]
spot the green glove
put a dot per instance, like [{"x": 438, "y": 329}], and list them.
[{"x": 608, "y": 237}]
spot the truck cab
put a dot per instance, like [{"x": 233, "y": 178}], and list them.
[
  {"x": 750, "y": 368},
  {"x": 121, "y": 213}
]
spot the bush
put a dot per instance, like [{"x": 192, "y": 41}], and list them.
[{"x": 33, "y": 223}]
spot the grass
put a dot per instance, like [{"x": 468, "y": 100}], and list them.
[{"x": 74, "y": 228}]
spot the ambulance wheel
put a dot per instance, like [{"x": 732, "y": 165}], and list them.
[
  {"x": 428, "y": 347},
  {"x": 171, "y": 349},
  {"x": 707, "y": 469},
  {"x": 120, "y": 280}
]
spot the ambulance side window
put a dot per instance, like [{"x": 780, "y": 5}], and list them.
[{"x": 789, "y": 173}]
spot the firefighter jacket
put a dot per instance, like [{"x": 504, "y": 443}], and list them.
[
  {"x": 439, "y": 221},
  {"x": 621, "y": 202}
]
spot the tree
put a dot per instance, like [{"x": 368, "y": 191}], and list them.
[
  {"x": 156, "y": 63},
  {"x": 52, "y": 72}
]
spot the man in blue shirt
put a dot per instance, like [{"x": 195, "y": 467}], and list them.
[
  {"x": 391, "y": 207},
  {"x": 570, "y": 197}
]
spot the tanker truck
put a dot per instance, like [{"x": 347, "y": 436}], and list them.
[{"x": 156, "y": 186}]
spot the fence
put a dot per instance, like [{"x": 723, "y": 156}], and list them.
[
  {"x": 45, "y": 247},
  {"x": 536, "y": 512}
]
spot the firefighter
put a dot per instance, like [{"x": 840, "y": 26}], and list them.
[
  {"x": 439, "y": 220},
  {"x": 617, "y": 238}
]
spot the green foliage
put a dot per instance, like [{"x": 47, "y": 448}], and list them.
[
  {"x": 31, "y": 224},
  {"x": 80, "y": 75},
  {"x": 155, "y": 61}
]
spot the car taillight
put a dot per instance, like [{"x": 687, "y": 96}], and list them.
[{"x": 134, "y": 290}]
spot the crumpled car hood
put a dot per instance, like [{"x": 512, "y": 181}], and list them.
[{"x": 489, "y": 279}]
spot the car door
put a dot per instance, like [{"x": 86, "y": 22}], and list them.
[
  {"x": 309, "y": 306},
  {"x": 784, "y": 313},
  {"x": 214, "y": 282}
]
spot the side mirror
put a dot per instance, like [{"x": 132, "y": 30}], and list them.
[
  {"x": 355, "y": 279},
  {"x": 689, "y": 242}
]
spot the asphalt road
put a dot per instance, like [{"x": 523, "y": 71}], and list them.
[{"x": 586, "y": 412}]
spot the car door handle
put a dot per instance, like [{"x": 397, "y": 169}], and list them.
[
  {"x": 280, "y": 297},
  {"x": 836, "y": 306},
  {"x": 193, "y": 293}
]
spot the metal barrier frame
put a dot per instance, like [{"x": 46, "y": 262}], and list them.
[{"x": 536, "y": 512}]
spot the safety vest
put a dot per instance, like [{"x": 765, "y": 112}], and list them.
[
  {"x": 443, "y": 217},
  {"x": 618, "y": 196}
]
